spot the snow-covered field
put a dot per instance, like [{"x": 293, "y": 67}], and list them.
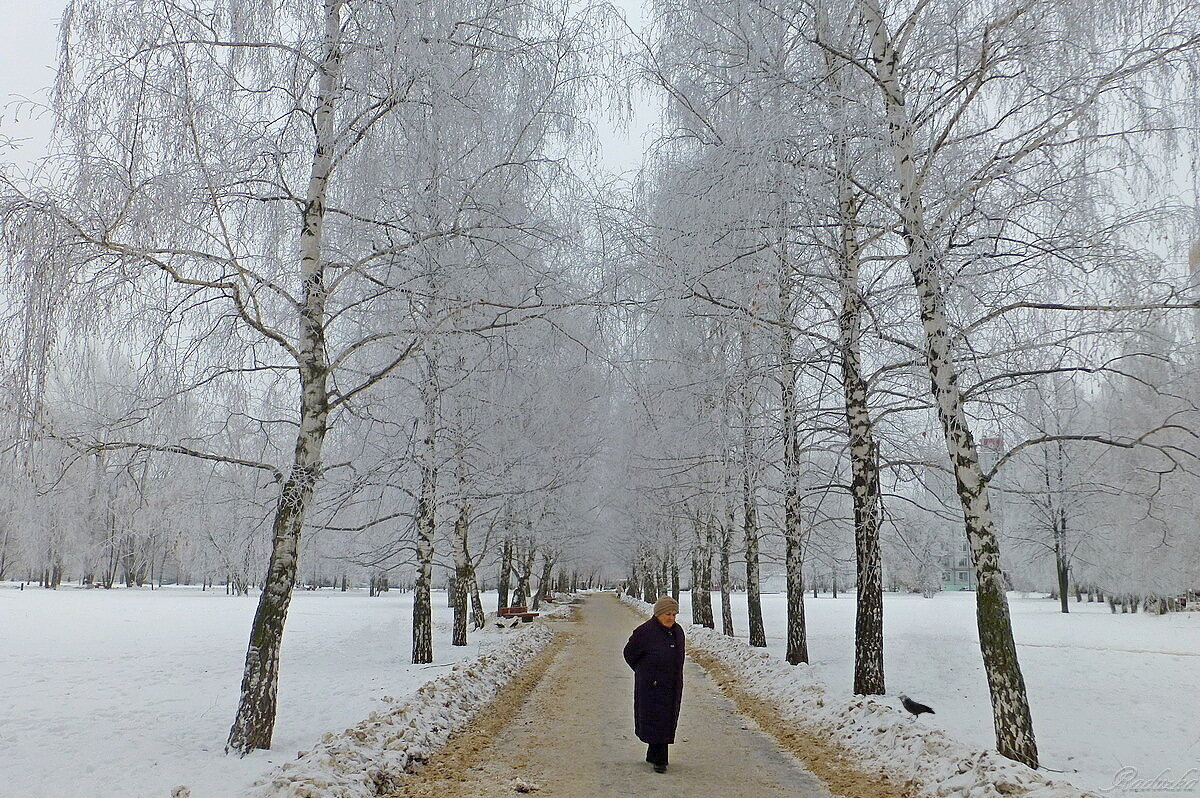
[
  {"x": 1108, "y": 692},
  {"x": 130, "y": 693}
]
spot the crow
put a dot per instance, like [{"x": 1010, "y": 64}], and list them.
[{"x": 914, "y": 707}]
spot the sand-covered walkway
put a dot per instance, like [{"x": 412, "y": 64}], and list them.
[{"x": 566, "y": 731}]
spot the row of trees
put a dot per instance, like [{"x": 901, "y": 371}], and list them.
[
  {"x": 334, "y": 268},
  {"x": 901, "y": 255},
  {"x": 310, "y": 266}
]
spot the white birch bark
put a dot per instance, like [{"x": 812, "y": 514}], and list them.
[
  {"x": 864, "y": 453},
  {"x": 525, "y": 557},
  {"x": 502, "y": 580},
  {"x": 793, "y": 530},
  {"x": 545, "y": 584},
  {"x": 1010, "y": 703},
  {"x": 254, "y": 723},
  {"x": 462, "y": 575},
  {"x": 726, "y": 555},
  {"x": 422, "y": 625},
  {"x": 758, "y": 636},
  {"x": 702, "y": 611}
]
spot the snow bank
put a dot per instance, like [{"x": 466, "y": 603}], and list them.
[
  {"x": 879, "y": 736},
  {"x": 1106, "y": 691},
  {"x": 364, "y": 760}
]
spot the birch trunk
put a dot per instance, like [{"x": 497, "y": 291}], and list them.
[
  {"x": 462, "y": 573},
  {"x": 726, "y": 547},
  {"x": 524, "y": 573},
  {"x": 254, "y": 723},
  {"x": 4, "y": 562},
  {"x": 797, "y": 637},
  {"x": 1062, "y": 568},
  {"x": 422, "y": 625},
  {"x": 544, "y": 581},
  {"x": 758, "y": 635},
  {"x": 506, "y": 554},
  {"x": 1054, "y": 478},
  {"x": 1010, "y": 703},
  {"x": 478, "y": 619},
  {"x": 864, "y": 456},
  {"x": 1062, "y": 564},
  {"x": 702, "y": 612},
  {"x": 706, "y": 575}
]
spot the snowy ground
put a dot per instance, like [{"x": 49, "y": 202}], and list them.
[
  {"x": 375, "y": 756},
  {"x": 131, "y": 692},
  {"x": 1107, "y": 691}
]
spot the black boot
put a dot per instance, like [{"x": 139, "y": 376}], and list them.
[{"x": 656, "y": 754}]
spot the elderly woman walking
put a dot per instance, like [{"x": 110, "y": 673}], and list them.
[{"x": 655, "y": 652}]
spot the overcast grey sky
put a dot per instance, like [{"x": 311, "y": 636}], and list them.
[
  {"x": 27, "y": 53},
  {"x": 27, "y": 56}
]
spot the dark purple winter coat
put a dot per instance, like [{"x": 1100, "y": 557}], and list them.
[{"x": 656, "y": 655}]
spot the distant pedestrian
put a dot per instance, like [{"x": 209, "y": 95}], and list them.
[{"x": 655, "y": 652}]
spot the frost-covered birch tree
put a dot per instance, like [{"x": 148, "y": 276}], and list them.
[
  {"x": 218, "y": 164},
  {"x": 1027, "y": 119}
]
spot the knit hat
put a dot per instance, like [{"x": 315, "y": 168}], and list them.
[{"x": 665, "y": 604}]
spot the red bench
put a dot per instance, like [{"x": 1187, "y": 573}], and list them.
[{"x": 521, "y": 613}]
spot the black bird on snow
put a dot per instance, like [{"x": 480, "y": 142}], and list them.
[{"x": 914, "y": 707}]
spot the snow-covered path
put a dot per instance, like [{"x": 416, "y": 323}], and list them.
[{"x": 574, "y": 737}]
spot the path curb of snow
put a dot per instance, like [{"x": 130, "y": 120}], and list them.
[
  {"x": 365, "y": 760},
  {"x": 878, "y": 736}
]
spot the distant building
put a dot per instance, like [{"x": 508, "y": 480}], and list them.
[{"x": 957, "y": 571}]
